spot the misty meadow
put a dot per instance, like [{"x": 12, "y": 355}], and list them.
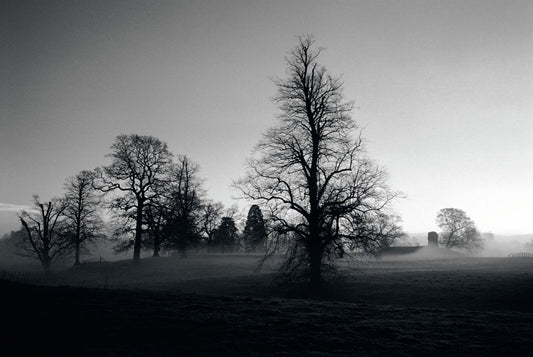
[
  {"x": 218, "y": 305},
  {"x": 138, "y": 256}
]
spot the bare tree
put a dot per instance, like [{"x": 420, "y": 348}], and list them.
[
  {"x": 140, "y": 166},
  {"x": 158, "y": 216},
  {"x": 313, "y": 174},
  {"x": 185, "y": 198},
  {"x": 82, "y": 211},
  {"x": 44, "y": 239},
  {"x": 210, "y": 219},
  {"x": 458, "y": 230}
]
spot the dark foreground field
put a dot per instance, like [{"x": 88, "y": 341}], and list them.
[{"x": 217, "y": 306}]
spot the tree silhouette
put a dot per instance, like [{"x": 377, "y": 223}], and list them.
[
  {"x": 255, "y": 236},
  {"x": 139, "y": 169},
  {"x": 211, "y": 216},
  {"x": 44, "y": 238},
  {"x": 185, "y": 199},
  {"x": 313, "y": 175},
  {"x": 82, "y": 211},
  {"x": 458, "y": 230},
  {"x": 225, "y": 237},
  {"x": 157, "y": 216}
]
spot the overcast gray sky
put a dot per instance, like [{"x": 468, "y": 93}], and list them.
[{"x": 444, "y": 90}]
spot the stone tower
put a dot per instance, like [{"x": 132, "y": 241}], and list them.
[{"x": 433, "y": 239}]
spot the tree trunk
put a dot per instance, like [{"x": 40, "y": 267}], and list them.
[
  {"x": 77, "y": 243},
  {"x": 138, "y": 234},
  {"x": 47, "y": 263},
  {"x": 315, "y": 266},
  {"x": 157, "y": 245},
  {"x": 157, "y": 242},
  {"x": 77, "y": 253}
]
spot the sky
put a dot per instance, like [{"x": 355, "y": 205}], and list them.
[{"x": 443, "y": 91}]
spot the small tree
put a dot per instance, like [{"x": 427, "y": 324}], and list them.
[
  {"x": 82, "y": 212},
  {"x": 458, "y": 230},
  {"x": 254, "y": 235},
  {"x": 45, "y": 239},
  {"x": 140, "y": 166}
]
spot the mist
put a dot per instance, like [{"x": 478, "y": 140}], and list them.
[
  {"x": 494, "y": 245},
  {"x": 205, "y": 299},
  {"x": 505, "y": 245}
]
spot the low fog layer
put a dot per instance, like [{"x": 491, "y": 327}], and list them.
[
  {"x": 505, "y": 245},
  {"x": 494, "y": 245},
  {"x": 498, "y": 246}
]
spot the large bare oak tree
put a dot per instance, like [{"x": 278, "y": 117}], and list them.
[
  {"x": 312, "y": 174},
  {"x": 139, "y": 168}
]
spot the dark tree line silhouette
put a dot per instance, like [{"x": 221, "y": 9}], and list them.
[
  {"x": 161, "y": 200},
  {"x": 157, "y": 200}
]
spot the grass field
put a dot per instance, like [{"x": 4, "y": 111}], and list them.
[{"x": 219, "y": 306}]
